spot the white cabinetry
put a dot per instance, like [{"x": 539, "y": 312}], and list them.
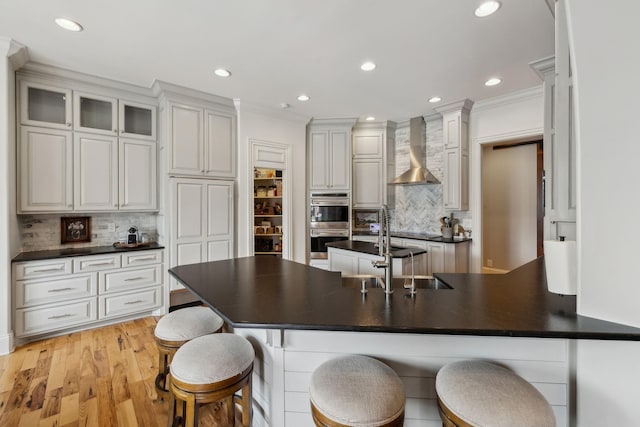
[
  {"x": 201, "y": 132},
  {"x": 455, "y": 127},
  {"x": 202, "y": 222},
  {"x": 83, "y": 170},
  {"x": 45, "y": 168},
  {"x": 353, "y": 262},
  {"x": 329, "y": 148},
  {"x": 559, "y": 137},
  {"x": 370, "y": 164},
  {"x": 58, "y": 294},
  {"x": 447, "y": 257}
]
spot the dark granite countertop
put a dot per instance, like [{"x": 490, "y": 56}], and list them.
[
  {"x": 269, "y": 292},
  {"x": 417, "y": 236},
  {"x": 371, "y": 249},
  {"x": 70, "y": 252}
]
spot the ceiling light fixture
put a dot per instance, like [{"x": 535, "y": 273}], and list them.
[
  {"x": 487, "y": 8},
  {"x": 303, "y": 97},
  {"x": 68, "y": 24},
  {"x": 221, "y": 72},
  {"x": 492, "y": 81},
  {"x": 370, "y": 118},
  {"x": 368, "y": 66},
  {"x": 435, "y": 99}
]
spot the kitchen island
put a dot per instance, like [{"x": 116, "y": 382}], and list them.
[{"x": 299, "y": 316}]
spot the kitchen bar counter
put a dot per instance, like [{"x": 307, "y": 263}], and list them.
[
  {"x": 430, "y": 237},
  {"x": 371, "y": 249},
  {"x": 71, "y": 252},
  {"x": 272, "y": 293}
]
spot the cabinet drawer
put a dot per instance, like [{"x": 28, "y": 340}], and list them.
[
  {"x": 95, "y": 263},
  {"x": 46, "y": 291},
  {"x": 31, "y": 321},
  {"x": 122, "y": 304},
  {"x": 134, "y": 259},
  {"x": 46, "y": 268},
  {"x": 127, "y": 279}
]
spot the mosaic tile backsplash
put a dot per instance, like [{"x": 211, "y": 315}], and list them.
[
  {"x": 42, "y": 232},
  {"x": 419, "y": 207}
]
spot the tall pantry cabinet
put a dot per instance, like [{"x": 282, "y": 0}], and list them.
[{"x": 199, "y": 135}]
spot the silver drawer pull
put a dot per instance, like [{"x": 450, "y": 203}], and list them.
[
  {"x": 147, "y": 258},
  {"x": 138, "y": 301},
  {"x": 45, "y": 270},
  {"x": 133, "y": 278},
  {"x": 61, "y": 316},
  {"x": 93, "y": 264},
  {"x": 60, "y": 289}
]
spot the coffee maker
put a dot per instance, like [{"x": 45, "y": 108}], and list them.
[{"x": 132, "y": 236}]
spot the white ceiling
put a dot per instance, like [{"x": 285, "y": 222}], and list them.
[{"x": 278, "y": 49}]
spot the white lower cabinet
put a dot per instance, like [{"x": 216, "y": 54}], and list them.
[
  {"x": 52, "y": 295},
  {"x": 353, "y": 262}
]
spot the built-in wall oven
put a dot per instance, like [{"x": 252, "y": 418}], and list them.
[{"x": 328, "y": 221}]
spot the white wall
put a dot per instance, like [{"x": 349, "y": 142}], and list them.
[
  {"x": 9, "y": 240},
  {"x": 517, "y": 116},
  {"x": 266, "y": 125},
  {"x": 606, "y": 66}
]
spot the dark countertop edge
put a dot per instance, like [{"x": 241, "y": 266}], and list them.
[
  {"x": 444, "y": 331},
  {"x": 72, "y": 252},
  {"x": 418, "y": 236}
]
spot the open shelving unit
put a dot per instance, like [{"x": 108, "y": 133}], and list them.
[{"x": 268, "y": 229}]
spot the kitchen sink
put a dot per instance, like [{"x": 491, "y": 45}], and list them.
[{"x": 399, "y": 282}]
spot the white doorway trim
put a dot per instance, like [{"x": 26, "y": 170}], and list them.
[
  {"x": 475, "y": 181},
  {"x": 272, "y": 155}
]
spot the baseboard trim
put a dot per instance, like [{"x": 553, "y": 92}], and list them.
[{"x": 6, "y": 344}]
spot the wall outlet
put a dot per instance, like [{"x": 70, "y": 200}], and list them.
[{"x": 489, "y": 263}]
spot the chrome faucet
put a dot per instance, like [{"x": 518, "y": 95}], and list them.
[{"x": 384, "y": 247}]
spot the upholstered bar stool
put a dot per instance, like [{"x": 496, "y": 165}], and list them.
[
  {"x": 476, "y": 393},
  {"x": 209, "y": 369},
  {"x": 176, "y": 328},
  {"x": 356, "y": 391}
]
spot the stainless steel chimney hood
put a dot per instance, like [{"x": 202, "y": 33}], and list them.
[{"x": 417, "y": 173}]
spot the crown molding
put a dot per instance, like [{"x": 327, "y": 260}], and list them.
[
  {"x": 544, "y": 66},
  {"x": 278, "y": 113},
  {"x": 510, "y": 98},
  {"x": 464, "y": 104},
  {"x": 17, "y": 53},
  {"x": 333, "y": 122},
  {"x": 162, "y": 89}
]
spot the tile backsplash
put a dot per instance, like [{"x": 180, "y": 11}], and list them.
[
  {"x": 419, "y": 207},
  {"x": 42, "y": 232}
]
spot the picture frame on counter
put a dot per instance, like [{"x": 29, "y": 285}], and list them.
[{"x": 76, "y": 229}]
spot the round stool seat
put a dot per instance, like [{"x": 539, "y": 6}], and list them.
[
  {"x": 188, "y": 323},
  {"x": 357, "y": 391},
  {"x": 210, "y": 359},
  {"x": 481, "y": 394}
]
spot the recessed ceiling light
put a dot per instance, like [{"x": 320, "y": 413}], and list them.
[
  {"x": 487, "y": 8},
  {"x": 221, "y": 72},
  {"x": 492, "y": 81},
  {"x": 68, "y": 24},
  {"x": 284, "y": 105},
  {"x": 370, "y": 118},
  {"x": 303, "y": 97},
  {"x": 434, "y": 99},
  {"x": 368, "y": 66}
]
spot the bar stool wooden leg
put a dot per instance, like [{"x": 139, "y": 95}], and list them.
[{"x": 246, "y": 403}]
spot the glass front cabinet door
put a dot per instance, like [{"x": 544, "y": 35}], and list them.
[
  {"x": 95, "y": 113},
  {"x": 44, "y": 105},
  {"x": 137, "y": 120}
]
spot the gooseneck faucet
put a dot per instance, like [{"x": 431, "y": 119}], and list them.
[{"x": 384, "y": 246}]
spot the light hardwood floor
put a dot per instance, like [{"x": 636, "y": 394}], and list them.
[{"x": 99, "y": 377}]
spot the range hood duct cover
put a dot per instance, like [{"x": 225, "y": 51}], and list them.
[{"x": 417, "y": 173}]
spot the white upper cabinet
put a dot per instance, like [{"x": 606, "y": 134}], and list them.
[
  {"x": 95, "y": 113},
  {"x": 329, "y": 148},
  {"x": 44, "y": 105},
  {"x": 45, "y": 167},
  {"x": 371, "y": 166},
  {"x": 200, "y": 130},
  {"x": 137, "y": 179},
  {"x": 95, "y": 172},
  {"x": 136, "y": 120},
  {"x": 455, "y": 129}
]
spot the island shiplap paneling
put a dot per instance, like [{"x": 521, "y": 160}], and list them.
[{"x": 285, "y": 361}]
